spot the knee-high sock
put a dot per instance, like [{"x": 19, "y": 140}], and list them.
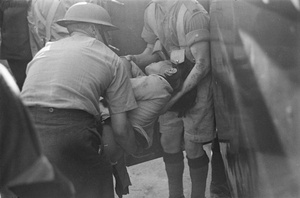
[
  {"x": 198, "y": 172},
  {"x": 174, "y": 167}
]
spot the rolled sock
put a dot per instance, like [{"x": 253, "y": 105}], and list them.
[
  {"x": 174, "y": 167},
  {"x": 198, "y": 173}
]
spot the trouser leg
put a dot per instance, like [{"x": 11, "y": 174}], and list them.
[
  {"x": 174, "y": 167},
  {"x": 198, "y": 173},
  {"x": 70, "y": 142}
]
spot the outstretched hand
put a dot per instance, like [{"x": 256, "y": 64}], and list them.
[{"x": 130, "y": 57}]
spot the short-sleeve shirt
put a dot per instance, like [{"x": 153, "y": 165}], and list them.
[
  {"x": 73, "y": 73},
  {"x": 199, "y": 120},
  {"x": 151, "y": 93},
  {"x": 196, "y": 25}
]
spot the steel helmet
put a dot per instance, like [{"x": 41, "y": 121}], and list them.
[{"x": 87, "y": 13}]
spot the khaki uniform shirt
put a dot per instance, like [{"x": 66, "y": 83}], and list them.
[
  {"x": 196, "y": 26},
  {"x": 73, "y": 73},
  {"x": 199, "y": 120}
]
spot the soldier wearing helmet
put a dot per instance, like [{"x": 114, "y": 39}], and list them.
[{"x": 64, "y": 82}]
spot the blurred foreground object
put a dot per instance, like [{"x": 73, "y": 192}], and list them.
[
  {"x": 23, "y": 168},
  {"x": 255, "y": 61}
]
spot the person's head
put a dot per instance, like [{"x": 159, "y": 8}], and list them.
[
  {"x": 172, "y": 73},
  {"x": 158, "y": 68},
  {"x": 89, "y": 18}
]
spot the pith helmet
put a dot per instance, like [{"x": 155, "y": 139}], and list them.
[{"x": 87, "y": 13}]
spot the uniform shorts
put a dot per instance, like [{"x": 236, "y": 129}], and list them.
[
  {"x": 170, "y": 123},
  {"x": 195, "y": 129}
]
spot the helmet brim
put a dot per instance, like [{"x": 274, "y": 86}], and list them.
[{"x": 65, "y": 23}]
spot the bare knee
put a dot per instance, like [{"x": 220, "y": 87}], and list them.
[
  {"x": 193, "y": 149},
  {"x": 171, "y": 143}
]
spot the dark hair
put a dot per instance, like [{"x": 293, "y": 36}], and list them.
[
  {"x": 188, "y": 100},
  {"x": 176, "y": 80}
]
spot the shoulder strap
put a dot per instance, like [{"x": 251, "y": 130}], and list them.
[
  {"x": 34, "y": 17},
  {"x": 180, "y": 26},
  {"x": 37, "y": 12},
  {"x": 151, "y": 17},
  {"x": 50, "y": 18}
]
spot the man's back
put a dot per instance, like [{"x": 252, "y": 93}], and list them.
[{"x": 71, "y": 73}]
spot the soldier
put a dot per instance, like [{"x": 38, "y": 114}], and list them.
[
  {"x": 64, "y": 82},
  {"x": 179, "y": 30}
]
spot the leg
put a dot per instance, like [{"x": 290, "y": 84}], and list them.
[
  {"x": 198, "y": 165},
  {"x": 71, "y": 143},
  {"x": 171, "y": 128},
  {"x": 199, "y": 128}
]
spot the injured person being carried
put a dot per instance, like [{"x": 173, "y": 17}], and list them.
[{"x": 152, "y": 92}]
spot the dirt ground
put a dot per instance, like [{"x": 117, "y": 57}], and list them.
[{"x": 149, "y": 179}]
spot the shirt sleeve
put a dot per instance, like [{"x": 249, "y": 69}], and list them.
[
  {"x": 197, "y": 27},
  {"x": 120, "y": 95},
  {"x": 148, "y": 33}
]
